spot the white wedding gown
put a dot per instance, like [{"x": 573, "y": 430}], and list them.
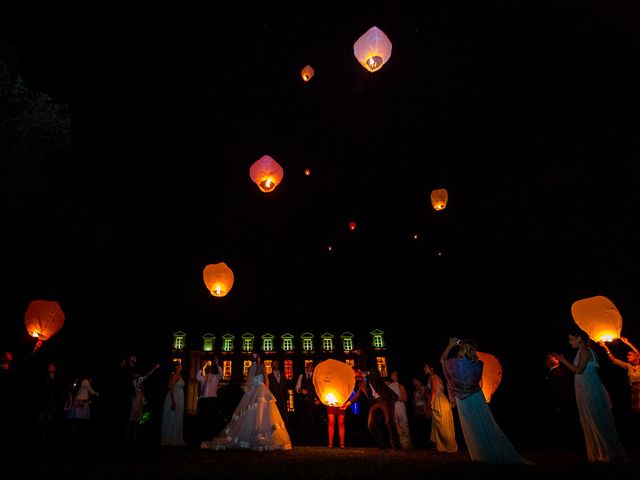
[{"x": 256, "y": 423}]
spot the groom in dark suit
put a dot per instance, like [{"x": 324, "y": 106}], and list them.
[
  {"x": 381, "y": 403},
  {"x": 278, "y": 387}
]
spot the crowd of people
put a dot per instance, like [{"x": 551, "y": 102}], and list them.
[{"x": 442, "y": 408}]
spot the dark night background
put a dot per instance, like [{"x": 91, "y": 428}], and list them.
[{"x": 526, "y": 112}]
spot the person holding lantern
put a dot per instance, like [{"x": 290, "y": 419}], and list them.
[
  {"x": 594, "y": 405},
  {"x": 632, "y": 366},
  {"x": 486, "y": 442}
]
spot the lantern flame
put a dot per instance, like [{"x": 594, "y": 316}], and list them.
[{"x": 330, "y": 399}]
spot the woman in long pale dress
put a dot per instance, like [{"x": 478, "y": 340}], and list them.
[
  {"x": 594, "y": 405},
  {"x": 400, "y": 410},
  {"x": 171, "y": 431},
  {"x": 256, "y": 423},
  {"x": 485, "y": 439},
  {"x": 443, "y": 432}
]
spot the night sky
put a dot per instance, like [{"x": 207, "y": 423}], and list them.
[{"x": 526, "y": 112}]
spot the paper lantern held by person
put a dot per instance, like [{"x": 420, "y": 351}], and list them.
[
  {"x": 266, "y": 173},
  {"x": 334, "y": 382},
  {"x": 599, "y": 317},
  {"x": 491, "y": 374},
  {"x": 43, "y": 319},
  {"x": 218, "y": 278},
  {"x": 372, "y": 49},
  {"x": 307, "y": 72},
  {"x": 439, "y": 198}
]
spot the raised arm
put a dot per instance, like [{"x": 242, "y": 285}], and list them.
[
  {"x": 452, "y": 343},
  {"x": 614, "y": 360},
  {"x": 630, "y": 345}
]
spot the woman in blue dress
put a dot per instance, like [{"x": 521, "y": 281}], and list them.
[
  {"x": 485, "y": 439},
  {"x": 171, "y": 431}
]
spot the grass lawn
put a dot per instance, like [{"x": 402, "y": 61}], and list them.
[{"x": 300, "y": 463}]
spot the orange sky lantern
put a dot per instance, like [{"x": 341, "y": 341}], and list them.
[
  {"x": 266, "y": 173},
  {"x": 372, "y": 49},
  {"x": 307, "y": 171},
  {"x": 43, "y": 320},
  {"x": 307, "y": 72},
  {"x": 599, "y": 317},
  {"x": 334, "y": 382},
  {"x": 491, "y": 374},
  {"x": 439, "y": 198},
  {"x": 218, "y": 278}
]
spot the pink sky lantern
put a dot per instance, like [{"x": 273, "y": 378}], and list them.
[
  {"x": 372, "y": 49},
  {"x": 43, "y": 319},
  {"x": 599, "y": 317},
  {"x": 491, "y": 374},
  {"x": 218, "y": 278},
  {"x": 307, "y": 72},
  {"x": 266, "y": 173},
  {"x": 334, "y": 382}
]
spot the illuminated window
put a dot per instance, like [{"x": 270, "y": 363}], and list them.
[
  {"x": 288, "y": 369},
  {"x": 208, "y": 342},
  {"x": 382, "y": 366},
  {"x": 245, "y": 368},
  {"x": 179, "y": 340},
  {"x": 347, "y": 341},
  {"x": 378, "y": 342},
  {"x": 226, "y": 370},
  {"x": 227, "y": 343},
  {"x": 287, "y": 342},
  {"x": 307, "y": 342},
  {"x": 267, "y": 343},
  {"x": 327, "y": 342},
  {"x": 290, "y": 407},
  {"x": 247, "y": 342},
  {"x": 267, "y": 366}
]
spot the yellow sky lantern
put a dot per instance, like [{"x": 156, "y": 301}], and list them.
[
  {"x": 218, "y": 278},
  {"x": 491, "y": 374},
  {"x": 307, "y": 72},
  {"x": 599, "y": 317},
  {"x": 439, "y": 198},
  {"x": 266, "y": 173},
  {"x": 43, "y": 319},
  {"x": 334, "y": 382},
  {"x": 372, "y": 49}
]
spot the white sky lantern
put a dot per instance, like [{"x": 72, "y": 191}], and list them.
[
  {"x": 266, "y": 173},
  {"x": 599, "y": 317},
  {"x": 334, "y": 382},
  {"x": 373, "y": 49},
  {"x": 218, "y": 278},
  {"x": 491, "y": 374}
]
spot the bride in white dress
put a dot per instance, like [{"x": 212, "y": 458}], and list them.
[{"x": 256, "y": 423}]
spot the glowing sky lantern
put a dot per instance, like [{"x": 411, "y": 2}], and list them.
[
  {"x": 266, "y": 173},
  {"x": 372, "y": 49},
  {"x": 307, "y": 72},
  {"x": 491, "y": 374},
  {"x": 43, "y": 319},
  {"x": 352, "y": 226},
  {"x": 439, "y": 198},
  {"x": 599, "y": 317},
  {"x": 307, "y": 171},
  {"x": 334, "y": 382},
  {"x": 218, "y": 278}
]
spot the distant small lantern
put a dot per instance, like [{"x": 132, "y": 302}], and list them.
[
  {"x": 352, "y": 226},
  {"x": 218, "y": 278},
  {"x": 334, "y": 382},
  {"x": 439, "y": 198},
  {"x": 307, "y": 72},
  {"x": 307, "y": 171},
  {"x": 330, "y": 248},
  {"x": 599, "y": 317},
  {"x": 43, "y": 319},
  {"x": 266, "y": 173},
  {"x": 415, "y": 236},
  {"x": 491, "y": 374},
  {"x": 372, "y": 49}
]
